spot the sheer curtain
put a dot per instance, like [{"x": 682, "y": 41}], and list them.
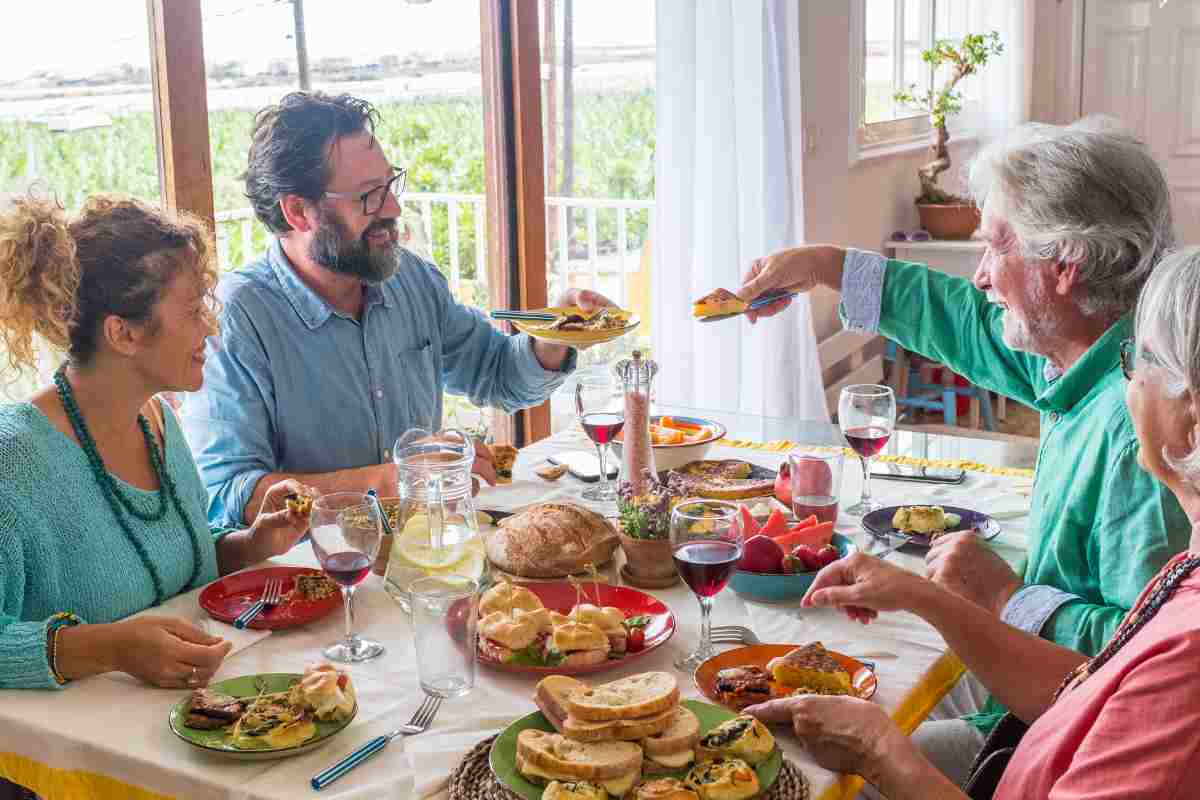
[
  {"x": 728, "y": 190},
  {"x": 1005, "y": 86}
]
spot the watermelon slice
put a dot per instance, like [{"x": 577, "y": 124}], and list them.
[
  {"x": 816, "y": 535},
  {"x": 749, "y": 526},
  {"x": 775, "y": 525}
]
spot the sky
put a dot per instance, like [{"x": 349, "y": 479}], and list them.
[{"x": 108, "y": 33}]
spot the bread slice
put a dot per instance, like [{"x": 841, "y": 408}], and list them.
[
  {"x": 626, "y": 698},
  {"x": 560, "y": 758},
  {"x": 626, "y": 730},
  {"x": 681, "y": 734}
]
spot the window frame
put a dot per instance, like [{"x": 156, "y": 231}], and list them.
[{"x": 869, "y": 140}]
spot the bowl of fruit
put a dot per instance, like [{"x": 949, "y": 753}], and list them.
[
  {"x": 779, "y": 561},
  {"x": 678, "y": 440}
]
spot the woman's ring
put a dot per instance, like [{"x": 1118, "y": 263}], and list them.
[{"x": 194, "y": 679}]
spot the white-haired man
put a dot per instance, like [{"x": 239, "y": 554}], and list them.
[{"x": 1075, "y": 219}]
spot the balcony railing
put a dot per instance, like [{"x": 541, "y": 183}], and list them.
[{"x": 601, "y": 250}]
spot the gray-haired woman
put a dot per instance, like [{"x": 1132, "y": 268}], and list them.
[{"x": 1124, "y": 724}]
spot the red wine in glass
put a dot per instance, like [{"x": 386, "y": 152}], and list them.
[
  {"x": 824, "y": 507},
  {"x": 706, "y": 566},
  {"x": 347, "y": 568},
  {"x": 602, "y": 426},
  {"x": 866, "y": 441}
]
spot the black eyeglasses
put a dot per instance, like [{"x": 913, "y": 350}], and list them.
[
  {"x": 373, "y": 199},
  {"x": 1128, "y": 354}
]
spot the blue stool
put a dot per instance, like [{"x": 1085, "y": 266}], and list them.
[{"x": 912, "y": 392}]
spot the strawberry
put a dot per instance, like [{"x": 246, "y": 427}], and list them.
[{"x": 636, "y": 640}]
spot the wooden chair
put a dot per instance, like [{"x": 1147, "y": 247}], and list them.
[
  {"x": 915, "y": 388},
  {"x": 845, "y": 360}
]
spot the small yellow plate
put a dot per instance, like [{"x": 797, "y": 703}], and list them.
[{"x": 542, "y": 330}]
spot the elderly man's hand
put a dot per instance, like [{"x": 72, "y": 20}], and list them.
[
  {"x": 584, "y": 299},
  {"x": 862, "y": 586},
  {"x": 798, "y": 269},
  {"x": 843, "y": 734},
  {"x": 962, "y": 563}
]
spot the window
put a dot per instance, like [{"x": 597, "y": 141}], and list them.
[{"x": 887, "y": 38}]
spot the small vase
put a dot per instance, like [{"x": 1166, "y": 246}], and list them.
[{"x": 648, "y": 562}]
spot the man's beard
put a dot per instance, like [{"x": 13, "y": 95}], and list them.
[{"x": 333, "y": 249}]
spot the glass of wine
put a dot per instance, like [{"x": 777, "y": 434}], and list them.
[
  {"x": 347, "y": 529},
  {"x": 706, "y": 543},
  {"x": 867, "y": 415},
  {"x": 601, "y": 424}
]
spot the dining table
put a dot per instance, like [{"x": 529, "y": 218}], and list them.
[{"x": 107, "y": 736}]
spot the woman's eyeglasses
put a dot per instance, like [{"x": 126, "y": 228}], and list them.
[
  {"x": 1130, "y": 355},
  {"x": 373, "y": 199}
]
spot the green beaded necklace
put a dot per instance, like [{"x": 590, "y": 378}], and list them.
[{"x": 116, "y": 497}]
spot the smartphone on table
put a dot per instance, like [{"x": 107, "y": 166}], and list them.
[{"x": 918, "y": 474}]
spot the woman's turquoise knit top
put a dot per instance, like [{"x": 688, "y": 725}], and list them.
[{"x": 62, "y": 550}]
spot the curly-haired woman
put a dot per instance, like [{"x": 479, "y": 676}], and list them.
[{"x": 102, "y": 512}]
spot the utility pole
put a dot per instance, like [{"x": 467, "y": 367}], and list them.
[{"x": 301, "y": 46}]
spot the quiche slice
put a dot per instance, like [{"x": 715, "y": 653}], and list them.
[
  {"x": 811, "y": 667},
  {"x": 718, "y": 301}
]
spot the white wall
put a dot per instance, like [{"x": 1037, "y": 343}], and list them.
[{"x": 860, "y": 205}]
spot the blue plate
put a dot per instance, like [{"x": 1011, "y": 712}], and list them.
[
  {"x": 879, "y": 524},
  {"x": 773, "y": 588}
]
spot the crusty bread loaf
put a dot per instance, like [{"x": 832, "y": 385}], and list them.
[
  {"x": 627, "y": 698},
  {"x": 565, "y": 758},
  {"x": 551, "y": 540}
]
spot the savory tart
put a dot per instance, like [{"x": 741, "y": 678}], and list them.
[
  {"x": 742, "y": 737},
  {"x": 298, "y": 503},
  {"x": 551, "y": 472},
  {"x": 504, "y": 456},
  {"x": 718, "y": 301},
  {"x": 312, "y": 586},
  {"x": 574, "y": 790},
  {"x": 718, "y": 480},
  {"x": 723, "y": 779},
  {"x": 662, "y": 789},
  {"x": 811, "y": 668},
  {"x": 743, "y": 686}
]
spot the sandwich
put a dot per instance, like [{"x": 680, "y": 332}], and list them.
[
  {"x": 662, "y": 789},
  {"x": 577, "y": 644},
  {"x": 740, "y": 687},
  {"x": 718, "y": 301},
  {"x": 626, "y": 698},
  {"x": 551, "y": 696},
  {"x": 675, "y": 747},
  {"x": 504, "y": 456},
  {"x": 502, "y": 637},
  {"x": 742, "y": 737},
  {"x": 723, "y": 779},
  {"x": 505, "y": 597},
  {"x": 813, "y": 669},
  {"x": 574, "y": 790},
  {"x": 325, "y": 691},
  {"x": 546, "y": 757},
  {"x": 608, "y": 619}
]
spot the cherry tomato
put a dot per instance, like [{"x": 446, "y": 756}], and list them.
[{"x": 636, "y": 640}]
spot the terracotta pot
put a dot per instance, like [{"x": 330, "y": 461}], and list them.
[
  {"x": 648, "y": 558},
  {"x": 949, "y": 220}
]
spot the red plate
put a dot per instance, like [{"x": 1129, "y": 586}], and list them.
[
  {"x": 560, "y": 597},
  {"x": 228, "y": 597}
]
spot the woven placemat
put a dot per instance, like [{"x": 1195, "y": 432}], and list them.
[{"x": 472, "y": 779}]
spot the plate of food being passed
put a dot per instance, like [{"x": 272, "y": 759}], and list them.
[
  {"x": 746, "y": 676},
  {"x": 573, "y": 325},
  {"x": 308, "y": 595},
  {"x": 923, "y": 525},
  {"x": 267, "y": 716},
  {"x": 564, "y": 628}
]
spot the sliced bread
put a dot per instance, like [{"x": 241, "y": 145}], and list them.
[
  {"x": 626, "y": 698},
  {"x": 564, "y": 758},
  {"x": 628, "y": 730},
  {"x": 681, "y": 734}
]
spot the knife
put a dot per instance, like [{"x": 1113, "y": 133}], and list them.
[{"x": 761, "y": 301}]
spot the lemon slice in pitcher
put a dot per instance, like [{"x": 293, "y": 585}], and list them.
[{"x": 413, "y": 546}]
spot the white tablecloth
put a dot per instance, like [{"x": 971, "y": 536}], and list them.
[{"x": 111, "y": 726}]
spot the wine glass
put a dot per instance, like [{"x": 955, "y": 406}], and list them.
[
  {"x": 867, "y": 415},
  {"x": 347, "y": 528},
  {"x": 706, "y": 543},
  {"x": 601, "y": 424}
]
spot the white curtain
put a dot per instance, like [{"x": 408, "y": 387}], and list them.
[
  {"x": 1004, "y": 88},
  {"x": 728, "y": 190}
]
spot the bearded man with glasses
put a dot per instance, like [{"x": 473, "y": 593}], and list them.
[{"x": 338, "y": 339}]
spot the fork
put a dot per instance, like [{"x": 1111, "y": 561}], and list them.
[
  {"x": 420, "y": 722},
  {"x": 271, "y": 595},
  {"x": 733, "y": 634}
]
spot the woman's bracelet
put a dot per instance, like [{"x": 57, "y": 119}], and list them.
[{"x": 57, "y": 622}]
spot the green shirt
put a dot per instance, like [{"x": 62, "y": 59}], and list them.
[{"x": 1100, "y": 526}]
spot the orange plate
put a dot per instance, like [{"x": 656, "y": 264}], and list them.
[
  {"x": 228, "y": 597},
  {"x": 862, "y": 678}
]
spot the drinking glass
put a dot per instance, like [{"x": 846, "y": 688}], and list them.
[
  {"x": 444, "y": 612},
  {"x": 867, "y": 415},
  {"x": 347, "y": 528},
  {"x": 601, "y": 424},
  {"x": 706, "y": 543},
  {"x": 816, "y": 484}
]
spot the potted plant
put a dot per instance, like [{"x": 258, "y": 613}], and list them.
[
  {"x": 644, "y": 523},
  {"x": 944, "y": 215}
]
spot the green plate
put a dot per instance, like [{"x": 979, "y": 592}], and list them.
[
  {"x": 219, "y": 741},
  {"x": 503, "y": 758}
]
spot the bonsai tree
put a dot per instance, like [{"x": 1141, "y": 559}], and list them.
[{"x": 965, "y": 59}]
